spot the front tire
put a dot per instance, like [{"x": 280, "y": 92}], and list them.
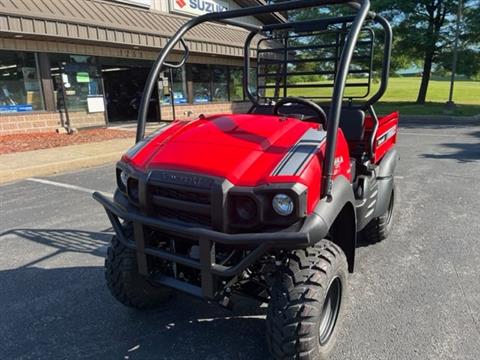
[
  {"x": 126, "y": 284},
  {"x": 307, "y": 303}
]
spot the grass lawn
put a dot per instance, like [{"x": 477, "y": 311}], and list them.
[{"x": 402, "y": 93}]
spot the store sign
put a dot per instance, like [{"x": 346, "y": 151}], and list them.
[
  {"x": 15, "y": 108},
  {"x": 95, "y": 104},
  {"x": 198, "y": 7},
  {"x": 146, "y": 3}
]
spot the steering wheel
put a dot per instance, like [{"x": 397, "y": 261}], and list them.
[{"x": 322, "y": 116}]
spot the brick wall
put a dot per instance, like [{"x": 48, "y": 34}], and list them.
[
  {"x": 49, "y": 121},
  {"x": 82, "y": 119},
  {"x": 30, "y": 122},
  {"x": 46, "y": 122},
  {"x": 191, "y": 111}
]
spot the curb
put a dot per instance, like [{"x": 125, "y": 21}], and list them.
[
  {"x": 439, "y": 118},
  {"x": 7, "y": 176}
]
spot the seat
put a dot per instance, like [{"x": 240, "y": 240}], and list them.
[
  {"x": 300, "y": 112},
  {"x": 352, "y": 123}
]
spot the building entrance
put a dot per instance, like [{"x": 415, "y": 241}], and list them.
[{"x": 123, "y": 82}]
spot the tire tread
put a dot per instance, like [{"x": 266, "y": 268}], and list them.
[
  {"x": 124, "y": 282},
  {"x": 295, "y": 305}
]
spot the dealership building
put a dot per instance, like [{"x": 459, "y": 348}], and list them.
[{"x": 83, "y": 63}]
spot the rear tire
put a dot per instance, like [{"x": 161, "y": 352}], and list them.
[
  {"x": 307, "y": 303},
  {"x": 379, "y": 228},
  {"x": 124, "y": 282}
]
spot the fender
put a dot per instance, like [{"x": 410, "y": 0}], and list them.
[
  {"x": 338, "y": 214},
  {"x": 385, "y": 173},
  {"x": 387, "y": 165}
]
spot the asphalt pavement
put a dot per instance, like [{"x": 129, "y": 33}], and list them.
[{"x": 414, "y": 296}]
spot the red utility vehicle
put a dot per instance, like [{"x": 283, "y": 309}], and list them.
[{"x": 269, "y": 203}]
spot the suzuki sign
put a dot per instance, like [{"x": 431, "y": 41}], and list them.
[{"x": 198, "y": 7}]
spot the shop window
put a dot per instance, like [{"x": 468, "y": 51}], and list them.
[
  {"x": 179, "y": 86},
  {"x": 201, "y": 79},
  {"x": 80, "y": 78},
  {"x": 20, "y": 89},
  {"x": 252, "y": 81},
  {"x": 220, "y": 83},
  {"x": 236, "y": 84}
]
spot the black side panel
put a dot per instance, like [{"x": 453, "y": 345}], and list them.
[
  {"x": 342, "y": 193},
  {"x": 385, "y": 180},
  {"x": 388, "y": 164},
  {"x": 338, "y": 214},
  {"x": 385, "y": 186}
]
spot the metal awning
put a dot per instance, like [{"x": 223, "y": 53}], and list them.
[{"x": 105, "y": 23}]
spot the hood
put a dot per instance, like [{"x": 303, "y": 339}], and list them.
[{"x": 243, "y": 148}]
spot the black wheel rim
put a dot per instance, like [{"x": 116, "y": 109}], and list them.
[{"x": 330, "y": 310}]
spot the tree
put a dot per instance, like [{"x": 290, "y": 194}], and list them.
[
  {"x": 468, "y": 62},
  {"x": 422, "y": 29},
  {"x": 424, "y": 34},
  {"x": 472, "y": 24}
]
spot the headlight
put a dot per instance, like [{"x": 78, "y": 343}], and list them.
[
  {"x": 132, "y": 189},
  {"x": 282, "y": 204},
  {"x": 124, "y": 178},
  {"x": 245, "y": 208}
]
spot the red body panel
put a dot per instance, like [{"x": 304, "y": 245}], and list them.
[
  {"x": 243, "y": 148},
  {"x": 386, "y": 136}
]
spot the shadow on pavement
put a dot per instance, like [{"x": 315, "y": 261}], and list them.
[
  {"x": 64, "y": 240},
  {"x": 462, "y": 152},
  {"x": 68, "y": 313}
]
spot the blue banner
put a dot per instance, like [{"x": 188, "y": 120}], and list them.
[{"x": 15, "y": 108}]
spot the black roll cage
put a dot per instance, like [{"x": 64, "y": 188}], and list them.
[{"x": 357, "y": 21}]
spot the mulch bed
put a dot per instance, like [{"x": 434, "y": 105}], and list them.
[{"x": 35, "y": 141}]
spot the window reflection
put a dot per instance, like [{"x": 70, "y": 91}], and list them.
[
  {"x": 201, "y": 83},
  {"x": 80, "y": 77},
  {"x": 19, "y": 83}
]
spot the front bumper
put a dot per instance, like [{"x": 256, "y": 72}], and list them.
[{"x": 313, "y": 229}]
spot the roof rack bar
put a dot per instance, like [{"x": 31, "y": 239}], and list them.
[
  {"x": 303, "y": 73},
  {"x": 306, "y": 86},
  {"x": 216, "y": 16},
  {"x": 240, "y": 24},
  {"x": 308, "y": 60},
  {"x": 337, "y": 97},
  {"x": 309, "y": 47},
  {"x": 319, "y": 24}
]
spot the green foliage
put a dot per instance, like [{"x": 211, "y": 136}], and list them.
[
  {"x": 424, "y": 34},
  {"x": 472, "y": 24},
  {"x": 420, "y": 25},
  {"x": 467, "y": 65}
]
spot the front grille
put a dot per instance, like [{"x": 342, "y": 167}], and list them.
[
  {"x": 185, "y": 203},
  {"x": 183, "y": 195},
  {"x": 185, "y": 216}
]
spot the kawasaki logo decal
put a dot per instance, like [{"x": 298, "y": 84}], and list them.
[{"x": 387, "y": 135}]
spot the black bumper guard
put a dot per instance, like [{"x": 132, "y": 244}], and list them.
[{"x": 312, "y": 230}]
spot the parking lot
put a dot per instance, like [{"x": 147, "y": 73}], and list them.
[{"x": 413, "y": 296}]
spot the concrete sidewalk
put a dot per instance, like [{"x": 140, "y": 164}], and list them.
[{"x": 43, "y": 162}]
